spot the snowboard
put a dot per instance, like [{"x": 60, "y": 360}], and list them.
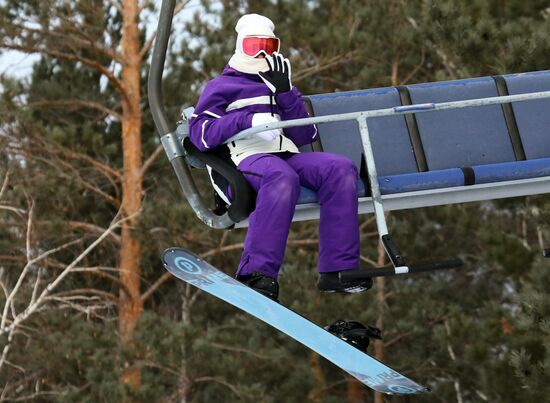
[{"x": 188, "y": 267}]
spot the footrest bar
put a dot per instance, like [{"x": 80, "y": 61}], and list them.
[{"x": 390, "y": 270}]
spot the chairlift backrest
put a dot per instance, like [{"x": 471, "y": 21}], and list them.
[
  {"x": 462, "y": 137},
  {"x": 449, "y": 148},
  {"x": 390, "y": 137},
  {"x": 532, "y": 117}
]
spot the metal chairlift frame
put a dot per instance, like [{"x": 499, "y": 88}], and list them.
[{"x": 173, "y": 145}]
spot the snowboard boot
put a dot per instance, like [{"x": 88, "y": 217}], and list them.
[
  {"x": 331, "y": 282},
  {"x": 354, "y": 333},
  {"x": 261, "y": 283}
]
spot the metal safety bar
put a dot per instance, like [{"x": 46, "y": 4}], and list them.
[{"x": 397, "y": 110}]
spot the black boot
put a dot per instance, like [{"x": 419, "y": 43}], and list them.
[
  {"x": 331, "y": 282},
  {"x": 263, "y": 284}
]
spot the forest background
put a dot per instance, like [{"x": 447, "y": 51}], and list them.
[{"x": 88, "y": 203}]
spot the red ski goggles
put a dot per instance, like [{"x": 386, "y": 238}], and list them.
[{"x": 253, "y": 45}]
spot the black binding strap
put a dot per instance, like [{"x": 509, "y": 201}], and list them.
[
  {"x": 414, "y": 134},
  {"x": 510, "y": 119},
  {"x": 469, "y": 176}
]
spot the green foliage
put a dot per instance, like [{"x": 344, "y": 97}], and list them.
[{"x": 531, "y": 360}]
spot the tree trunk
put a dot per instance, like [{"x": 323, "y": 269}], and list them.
[
  {"x": 381, "y": 261},
  {"x": 380, "y": 296},
  {"x": 317, "y": 394},
  {"x": 354, "y": 391},
  {"x": 130, "y": 304}
]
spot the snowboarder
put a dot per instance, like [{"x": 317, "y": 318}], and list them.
[{"x": 255, "y": 88}]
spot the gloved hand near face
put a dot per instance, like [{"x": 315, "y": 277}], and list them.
[
  {"x": 262, "y": 119},
  {"x": 277, "y": 78}
]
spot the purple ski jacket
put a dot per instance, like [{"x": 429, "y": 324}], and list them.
[{"x": 228, "y": 102}]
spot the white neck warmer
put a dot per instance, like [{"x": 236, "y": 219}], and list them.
[
  {"x": 250, "y": 25},
  {"x": 246, "y": 64}
]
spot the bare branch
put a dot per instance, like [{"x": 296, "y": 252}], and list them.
[
  {"x": 241, "y": 350},
  {"x": 30, "y": 214},
  {"x": 4, "y": 184},
  {"x": 93, "y": 228},
  {"x": 219, "y": 380},
  {"x": 31, "y": 151},
  {"x": 18, "y": 211},
  {"x": 95, "y": 65},
  {"x": 147, "y": 164},
  {"x": 325, "y": 65},
  {"x": 149, "y": 42},
  {"x": 79, "y": 294},
  {"x": 29, "y": 264},
  {"x": 32, "y": 308},
  {"x": 156, "y": 285},
  {"x": 76, "y": 41},
  {"x": 76, "y": 103},
  {"x": 112, "y": 200},
  {"x": 98, "y": 271},
  {"x": 116, "y": 5},
  {"x": 415, "y": 70},
  {"x": 369, "y": 261},
  {"x": 6, "y": 348}
]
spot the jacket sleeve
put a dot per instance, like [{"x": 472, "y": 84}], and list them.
[
  {"x": 210, "y": 125},
  {"x": 292, "y": 106}
]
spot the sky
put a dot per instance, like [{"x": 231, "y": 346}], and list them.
[
  {"x": 16, "y": 64},
  {"x": 19, "y": 65}
]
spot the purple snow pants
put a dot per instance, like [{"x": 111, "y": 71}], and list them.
[{"x": 277, "y": 179}]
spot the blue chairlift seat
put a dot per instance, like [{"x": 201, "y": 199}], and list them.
[{"x": 458, "y": 147}]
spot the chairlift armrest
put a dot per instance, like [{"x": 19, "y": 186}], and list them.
[
  {"x": 243, "y": 195},
  {"x": 418, "y": 107}
]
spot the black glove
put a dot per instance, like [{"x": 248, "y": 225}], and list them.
[{"x": 277, "y": 78}]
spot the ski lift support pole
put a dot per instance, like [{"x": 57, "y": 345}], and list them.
[{"x": 170, "y": 140}]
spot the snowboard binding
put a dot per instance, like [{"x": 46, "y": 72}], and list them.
[{"x": 354, "y": 333}]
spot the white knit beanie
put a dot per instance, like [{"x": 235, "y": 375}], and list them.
[
  {"x": 253, "y": 25},
  {"x": 250, "y": 25}
]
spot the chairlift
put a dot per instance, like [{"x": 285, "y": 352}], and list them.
[{"x": 415, "y": 146}]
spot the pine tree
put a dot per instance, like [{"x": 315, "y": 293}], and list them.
[{"x": 474, "y": 334}]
